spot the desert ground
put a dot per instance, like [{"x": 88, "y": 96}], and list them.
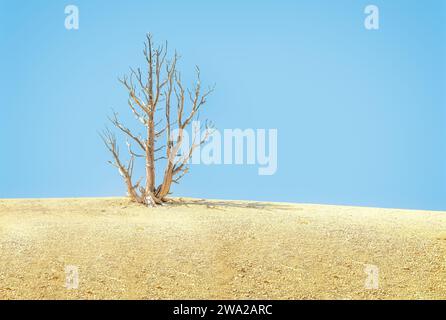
[{"x": 204, "y": 249}]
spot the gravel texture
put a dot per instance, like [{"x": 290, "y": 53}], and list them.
[{"x": 194, "y": 249}]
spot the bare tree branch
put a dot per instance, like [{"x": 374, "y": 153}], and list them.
[
  {"x": 127, "y": 131},
  {"x": 163, "y": 83}
]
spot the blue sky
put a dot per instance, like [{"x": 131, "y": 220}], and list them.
[{"x": 360, "y": 114}]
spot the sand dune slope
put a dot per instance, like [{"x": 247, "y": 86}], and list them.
[{"x": 218, "y": 249}]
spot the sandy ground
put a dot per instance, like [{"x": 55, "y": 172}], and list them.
[{"x": 218, "y": 250}]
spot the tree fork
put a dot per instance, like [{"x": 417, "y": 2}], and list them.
[{"x": 143, "y": 104}]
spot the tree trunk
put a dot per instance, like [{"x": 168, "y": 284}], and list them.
[
  {"x": 167, "y": 182},
  {"x": 150, "y": 157}
]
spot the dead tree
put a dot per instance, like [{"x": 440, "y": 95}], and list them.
[{"x": 159, "y": 88}]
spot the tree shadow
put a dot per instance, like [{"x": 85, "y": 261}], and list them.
[{"x": 222, "y": 204}]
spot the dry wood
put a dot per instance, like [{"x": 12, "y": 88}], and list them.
[{"x": 162, "y": 83}]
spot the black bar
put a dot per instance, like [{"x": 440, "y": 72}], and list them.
[{"x": 224, "y": 309}]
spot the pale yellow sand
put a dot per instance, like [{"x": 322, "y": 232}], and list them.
[{"x": 218, "y": 249}]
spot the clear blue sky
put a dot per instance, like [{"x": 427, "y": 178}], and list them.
[{"x": 360, "y": 114}]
